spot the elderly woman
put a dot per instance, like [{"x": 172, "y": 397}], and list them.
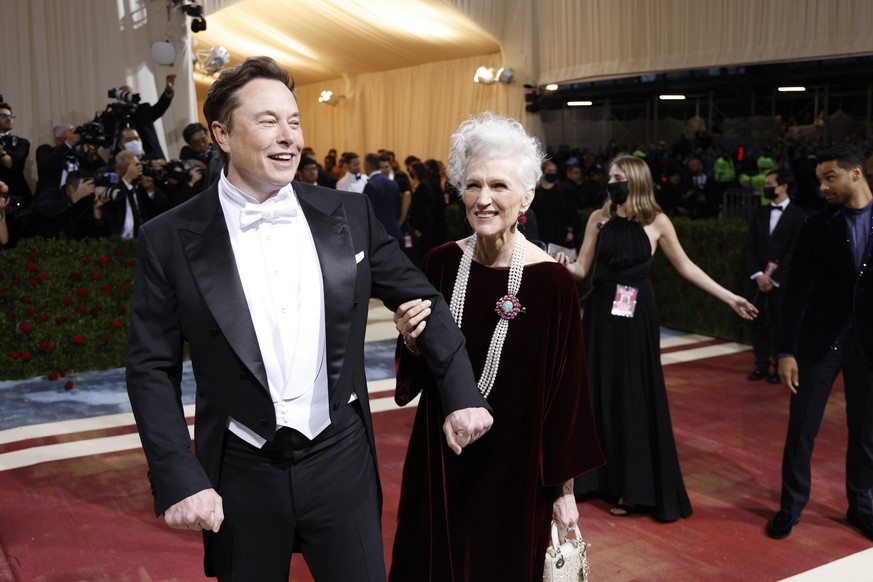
[
  {"x": 621, "y": 329},
  {"x": 485, "y": 515}
]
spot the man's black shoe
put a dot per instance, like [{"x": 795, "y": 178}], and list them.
[
  {"x": 780, "y": 526},
  {"x": 862, "y": 521},
  {"x": 774, "y": 379},
  {"x": 757, "y": 375}
]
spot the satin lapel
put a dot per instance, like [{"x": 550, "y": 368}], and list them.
[
  {"x": 336, "y": 254},
  {"x": 210, "y": 256},
  {"x": 840, "y": 234}
]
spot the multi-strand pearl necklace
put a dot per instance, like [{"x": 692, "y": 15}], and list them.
[{"x": 507, "y": 306}]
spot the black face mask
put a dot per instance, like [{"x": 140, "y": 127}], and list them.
[
  {"x": 770, "y": 193},
  {"x": 617, "y": 192},
  {"x": 551, "y": 178}
]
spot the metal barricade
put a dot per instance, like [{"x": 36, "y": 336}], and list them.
[{"x": 739, "y": 203}]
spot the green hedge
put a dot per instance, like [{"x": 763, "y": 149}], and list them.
[{"x": 65, "y": 305}]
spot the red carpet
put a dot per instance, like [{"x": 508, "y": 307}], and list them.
[{"x": 90, "y": 519}]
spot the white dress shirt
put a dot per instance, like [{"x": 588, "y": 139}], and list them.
[
  {"x": 281, "y": 277},
  {"x": 775, "y": 215},
  {"x": 352, "y": 183}
]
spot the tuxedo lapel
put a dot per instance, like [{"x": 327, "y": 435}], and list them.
[
  {"x": 839, "y": 232},
  {"x": 207, "y": 245},
  {"x": 336, "y": 255}
]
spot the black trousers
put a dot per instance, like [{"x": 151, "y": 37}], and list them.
[
  {"x": 316, "y": 497},
  {"x": 763, "y": 328},
  {"x": 806, "y": 412}
]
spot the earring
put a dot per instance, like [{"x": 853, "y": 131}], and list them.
[{"x": 522, "y": 219}]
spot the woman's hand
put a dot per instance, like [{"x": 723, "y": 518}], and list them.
[
  {"x": 562, "y": 258},
  {"x": 743, "y": 308},
  {"x": 565, "y": 513},
  {"x": 409, "y": 319}
]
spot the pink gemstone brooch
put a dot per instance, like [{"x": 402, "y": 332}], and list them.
[{"x": 508, "y": 307}]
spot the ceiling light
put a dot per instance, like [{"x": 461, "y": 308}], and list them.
[
  {"x": 552, "y": 87},
  {"x": 163, "y": 53},
  {"x": 329, "y": 98},
  {"x": 580, "y": 103},
  {"x": 212, "y": 60},
  {"x": 792, "y": 89},
  {"x": 485, "y": 76},
  {"x": 671, "y": 97},
  {"x": 504, "y": 75}
]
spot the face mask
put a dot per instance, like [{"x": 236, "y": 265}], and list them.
[
  {"x": 551, "y": 178},
  {"x": 134, "y": 147},
  {"x": 617, "y": 192},
  {"x": 770, "y": 193}
]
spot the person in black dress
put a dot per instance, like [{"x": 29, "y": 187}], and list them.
[{"x": 622, "y": 341}]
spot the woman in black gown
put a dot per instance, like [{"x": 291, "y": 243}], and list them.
[
  {"x": 622, "y": 340},
  {"x": 485, "y": 515}
]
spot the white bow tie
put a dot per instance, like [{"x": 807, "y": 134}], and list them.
[{"x": 280, "y": 210}]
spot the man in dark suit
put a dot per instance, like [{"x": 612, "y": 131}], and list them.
[
  {"x": 134, "y": 199},
  {"x": 268, "y": 281},
  {"x": 827, "y": 327},
  {"x": 13, "y": 154},
  {"x": 772, "y": 235},
  {"x": 384, "y": 195}
]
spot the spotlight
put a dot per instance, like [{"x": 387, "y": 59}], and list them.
[
  {"x": 213, "y": 60},
  {"x": 490, "y": 75},
  {"x": 505, "y": 75},
  {"x": 198, "y": 24},
  {"x": 329, "y": 98},
  {"x": 193, "y": 9},
  {"x": 552, "y": 87}
]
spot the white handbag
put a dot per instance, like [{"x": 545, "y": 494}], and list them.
[{"x": 567, "y": 562}]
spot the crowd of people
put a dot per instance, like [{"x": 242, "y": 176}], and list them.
[{"x": 526, "y": 406}]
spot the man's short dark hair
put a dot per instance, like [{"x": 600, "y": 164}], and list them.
[
  {"x": 221, "y": 99},
  {"x": 846, "y": 155},
  {"x": 74, "y": 178},
  {"x": 783, "y": 177},
  {"x": 371, "y": 162},
  {"x": 348, "y": 157},
  {"x": 6, "y": 106},
  {"x": 307, "y": 161},
  {"x": 191, "y": 129}
]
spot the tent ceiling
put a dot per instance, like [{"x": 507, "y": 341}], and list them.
[{"x": 317, "y": 40}]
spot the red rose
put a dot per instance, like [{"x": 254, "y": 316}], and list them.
[
  {"x": 33, "y": 254},
  {"x": 81, "y": 309},
  {"x": 30, "y": 311},
  {"x": 60, "y": 320},
  {"x": 43, "y": 317},
  {"x": 75, "y": 277},
  {"x": 31, "y": 266},
  {"x": 64, "y": 373},
  {"x": 105, "y": 289},
  {"x": 79, "y": 340},
  {"x": 4, "y": 294},
  {"x": 95, "y": 276},
  {"x": 35, "y": 282},
  {"x": 68, "y": 301},
  {"x": 25, "y": 327},
  {"x": 25, "y": 299},
  {"x": 82, "y": 292},
  {"x": 86, "y": 261},
  {"x": 14, "y": 354},
  {"x": 123, "y": 287},
  {"x": 115, "y": 323},
  {"x": 43, "y": 277},
  {"x": 103, "y": 260},
  {"x": 122, "y": 309},
  {"x": 69, "y": 385},
  {"x": 46, "y": 346},
  {"x": 53, "y": 375},
  {"x": 104, "y": 337},
  {"x": 129, "y": 262},
  {"x": 25, "y": 356}
]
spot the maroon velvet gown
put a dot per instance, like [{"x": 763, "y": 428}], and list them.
[{"x": 485, "y": 515}]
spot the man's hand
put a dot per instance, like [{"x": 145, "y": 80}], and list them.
[
  {"x": 788, "y": 373},
  {"x": 765, "y": 283},
  {"x": 465, "y": 426},
  {"x": 134, "y": 171},
  {"x": 171, "y": 84},
  {"x": 85, "y": 188},
  {"x": 201, "y": 511}
]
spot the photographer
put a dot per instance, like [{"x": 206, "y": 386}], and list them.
[
  {"x": 70, "y": 152},
  {"x": 134, "y": 200},
  {"x": 198, "y": 147},
  {"x": 13, "y": 153},
  {"x": 144, "y": 115},
  {"x": 73, "y": 211}
]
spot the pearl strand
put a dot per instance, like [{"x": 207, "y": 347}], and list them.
[{"x": 459, "y": 293}]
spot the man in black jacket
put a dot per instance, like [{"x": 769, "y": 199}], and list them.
[
  {"x": 827, "y": 328},
  {"x": 772, "y": 235},
  {"x": 13, "y": 153}
]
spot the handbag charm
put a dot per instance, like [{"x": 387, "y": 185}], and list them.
[{"x": 567, "y": 562}]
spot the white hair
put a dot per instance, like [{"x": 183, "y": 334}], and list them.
[
  {"x": 60, "y": 128},
  {"x": 490, "y": 136}
]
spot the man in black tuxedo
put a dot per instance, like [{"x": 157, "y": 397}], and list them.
[
  {"x": 384, "y": 195},
  {"x": 134, "y": 199},
  {"x": 13, "y": 154},
  {"x": 269, "y": 281},
  {"x": 772, "y": 235},
  {"x": 827, "y": 327}
]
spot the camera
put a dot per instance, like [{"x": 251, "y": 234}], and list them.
[
  {"x": 176, "y": 170},
  {"x": 126, "y": 96},
  {"x": 93, "y": 133},
  {"x": 16, "y": 206},
  {"x": 8, "y": 142}
]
